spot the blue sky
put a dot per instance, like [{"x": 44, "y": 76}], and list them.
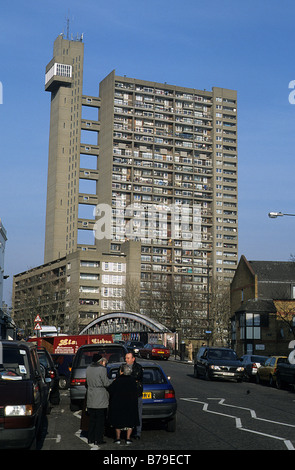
[{"x": 247, "y": 46}]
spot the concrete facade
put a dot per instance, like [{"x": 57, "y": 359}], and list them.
[{"x": 142, "y": 148}]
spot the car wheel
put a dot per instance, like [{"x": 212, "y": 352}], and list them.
[
  {"x": 55, "y": 398},
  {"x": 279, "y": 382},
  {"x": 196, "y": 374},
  {"x": 258, "y": 381},
  {"x": 63, "y": 383},
  {"x": 171, "y": 425},
  {"x": 271, "y": 381}
]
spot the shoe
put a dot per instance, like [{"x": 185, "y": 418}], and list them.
[
  {"x": 94, "y": 447},
  {"x": 128, "y": 442},
  {"x": 117, "y": 441}
]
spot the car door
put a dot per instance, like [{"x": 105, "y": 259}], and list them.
[{"x": 203, "y": 361}]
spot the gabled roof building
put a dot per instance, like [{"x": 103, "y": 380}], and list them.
[{"x": 263, "y": 306}]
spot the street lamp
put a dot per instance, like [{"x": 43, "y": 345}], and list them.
[{"x": 274, "y": 215}]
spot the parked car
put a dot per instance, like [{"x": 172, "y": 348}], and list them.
[
  {"x": 267, "y": 372},
  {"x": 24, "y": 394},
  {"x": 83, "y": 358},
  {"x": 218, "y": 363},
  {"x": 159, "y": 401},
  {"x": 285, "y": 375},
  {"x": 50, "y": 373},
  {"x": 63, "y": 364},
  {"x": 154, "y": 350},
  {"x": 251, "y": 363},
  {"x": 134, "y": 346}
]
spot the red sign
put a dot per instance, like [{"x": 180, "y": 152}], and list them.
[
  {"x": 37, "y": 327},
  {"x": 64, "y": 344}
]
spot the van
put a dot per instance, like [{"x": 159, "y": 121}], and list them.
[
  {"x": 111, "y": 351},
  {"x": 23, "y": 394}
]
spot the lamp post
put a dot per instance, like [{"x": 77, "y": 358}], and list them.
[{"x": 274, "y": 215}]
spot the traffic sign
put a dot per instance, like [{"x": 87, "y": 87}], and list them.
[
  {"x": 37, "y": 319},
  {"x": 37, "y": 327}
]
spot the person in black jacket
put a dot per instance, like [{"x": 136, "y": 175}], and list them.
[
  {"x": 137, "y": 373},
  {"x": 123, "y": 409}
]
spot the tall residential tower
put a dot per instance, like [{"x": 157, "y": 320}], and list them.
[{"x": 160, "y": 162}]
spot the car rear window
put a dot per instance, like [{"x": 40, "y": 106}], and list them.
[
  {"x": 14, "y": 364},
  {"x": 258, "y": 358},
  {"x": 84, "y": 357},
  {"x": 283, "y": 360},
  {"x": 153, "y": 375}
]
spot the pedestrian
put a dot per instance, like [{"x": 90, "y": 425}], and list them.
[
  {"x": 190, "y": 351},
  {"x": 97, "y": 382},
  {"x": 137, "y": 373},
  {"x": 123, "y": 408}
]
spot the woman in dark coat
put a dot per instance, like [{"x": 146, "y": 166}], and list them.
[{"x": 123, "y": 407}]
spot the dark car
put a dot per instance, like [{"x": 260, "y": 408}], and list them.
[
  {"x": 63, "y": 363},
  {"x": 50, "y": 373},
  {"x": 251, "y": 364},
  {"x": 134, "y": 346},
  {"x": 151, "y": 350},
  {"x": 158, "y": 397},
  {"x": 218, "y": 363},
  {"x": 23, "y": 394},
  {"x": 83, "y": 358}
]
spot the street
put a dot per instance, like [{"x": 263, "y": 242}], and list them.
[{"x": 212, "y": 415}]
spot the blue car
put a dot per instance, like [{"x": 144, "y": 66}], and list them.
[{"x": 158, "y": 397}]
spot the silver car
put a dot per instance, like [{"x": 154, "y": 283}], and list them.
[
  {"x": 251, "y": 364},
  {"x": 111, "y": 351}
]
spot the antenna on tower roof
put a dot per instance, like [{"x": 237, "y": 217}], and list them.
[{"x": 68, "y": 27}]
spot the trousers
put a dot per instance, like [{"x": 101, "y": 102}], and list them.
[{"x": 96, "y": 425}]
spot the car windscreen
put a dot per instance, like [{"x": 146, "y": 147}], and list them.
[
  {"x": 112, "y": 354},
  {"x": 222, "y": 354},
  {"x": 14, "y": 364}
]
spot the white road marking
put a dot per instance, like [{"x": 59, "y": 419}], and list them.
[
  {"x": 57, "y": 439},
  {"x": 238, "y": 421}
]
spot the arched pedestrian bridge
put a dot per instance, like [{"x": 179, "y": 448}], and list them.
[{"x": 124, "y": 322}]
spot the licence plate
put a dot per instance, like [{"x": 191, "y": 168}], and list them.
[
  {"x": 147, "y": 395},
  {"x": 160, "y": 352},
  {"x": 228, "y": 373}
]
